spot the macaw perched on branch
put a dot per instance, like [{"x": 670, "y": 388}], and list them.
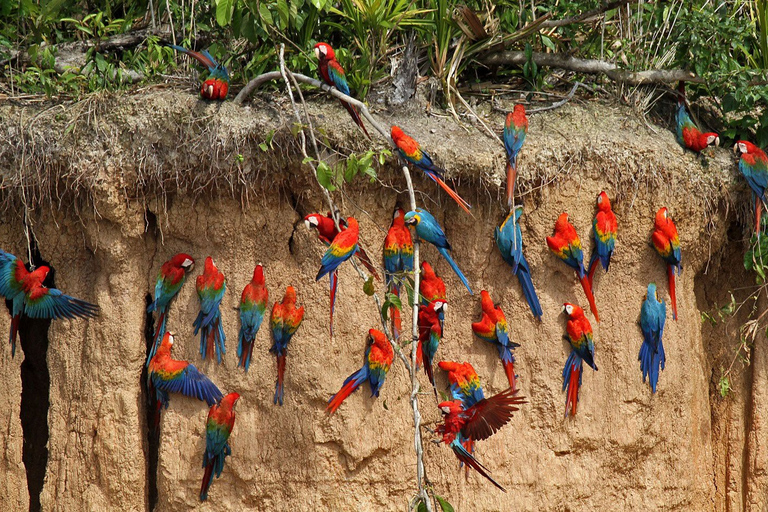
[
  {"x": 493, "y": 328},
  {"x": 515, "y": 130},
  {"x": 753, "y": 164},
  {"x": 376, "y": 363},
  {"x": 509, "y": 240},
  {"x": 432, "y": 291},
  {"x": 565, "y": 244},
  {"x": 253, "y": 305},
  {"x": 579, "y": 335},
  {"x": 29, "y": 296},
  {"x": 688, "y": 135},
  {"x": 412, "y": 153},
  {"x": 216, "y": 86},
  {"x": 211, "y": 286},
  {"x": 476, "y": 423},
  {"x": 398, "y": 260},
  {"x": 343, "y": 246},
  {"x": 430, "y": 231},
  {"x": 430, "y": 334},
  {"x": 218, "y": 428},
  {"x": 333, "y": 74},
  {"x": 326, "y": 232},
  {"x": 667, "y": 244},
  {"x": 171, "y": 277},
  {"x": 652, "y": 317},
  {"x": 604, "y": 229},
  {"x": 286, "y": 319},
  {"x": 168, "y": 375}
]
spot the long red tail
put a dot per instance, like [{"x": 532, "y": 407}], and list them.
[
  {"x": 160, "y": 320},
  {"x": 509, "y": 369},
  {"x": 355, "y": 116},
  {"x": 366, "y": 261},
  {"x": 758, "y": 214},
  {"x": 456, "y": 197},
  {"x": 247, "y": 353},
  {"x": 14, "y": 332},
  {"x": 210, "y": 343},
  {"x": 469, "y": 445},
  {"x": 511, "y": 177},
  {"x": 573, "y": 389},
  {"x": 394, "y": 313},
  {"x": 347, "y": 389},
  {"x": 671, "y": 277},
  {"x": 207, "y": 476},
  {"x": 334, "y": 281},
  {"x": 591, "y": 272},
  {"x": 590, "y": 296},
  {"x": 158, "y": 410}
]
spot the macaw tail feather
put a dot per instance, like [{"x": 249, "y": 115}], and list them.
[
  {"x": 511, "y": 177},
  {"x": 355, "y": 116},
  {"x": 758, "y": 215},
  {"x": 159, "y": 333},
  {"x": 394, "y": 313},
  {"x": 279, "y": 383},
  {"x": 448, "y": 190},
  {"x": 158, "y": 411},
  {"x": 681, "y": 91},
  {"x": 333, "y": 279},
  {"x": 430, "y": 374},
  {"x": 529, "y": 292},
  {"x": 350, "y": 386},
  {"x": 673, "y": 296},
  {"x": 572, "y": 381},
  {"x": 651, "y": 362},
  {"x": 455, "y": 268},
  {"x": 464, "y": 456},
  {"x": 509, "y": 369},
  {"x": 591, "y": 270},
  {"x": 199, "y": 57},
  {"x": 590, "y": 296},
  {"x": 468, "y": 445},
  {"x": 14, "y": 332},
  {"x": 245, "y": 351},
  {"x": 366, "y": 261},
  {"x": 207, "y": 479}
]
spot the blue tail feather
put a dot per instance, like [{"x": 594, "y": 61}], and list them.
[{"x": 455, "y": 267}]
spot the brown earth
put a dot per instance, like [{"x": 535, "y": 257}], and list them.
[{"x": 118, "y": 184}]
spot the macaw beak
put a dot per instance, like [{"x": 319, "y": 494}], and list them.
[
  {"x": 412, "y": 221},
  {"x": 317, "y": 53},
  {"x": 736, "y": 148}
]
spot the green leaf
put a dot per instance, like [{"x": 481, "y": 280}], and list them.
[
  {"x": 265, "y": 15},
  {"x": 282, "y": 11},
  {"x": 394, "y": 301},
  {"x": 352, "y": 169},
  {"x": 224, "y": 9},
  {"x": 422, "y": 507},
  {"x": 368, "y": 287},
  {"x": 444, "y": 505},
  {"x": 386, "y": 408},
  {"x": 325, "y": 176}
]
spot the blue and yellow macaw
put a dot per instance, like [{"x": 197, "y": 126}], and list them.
[
  {"x": 652, "y": 317},
  {"x": 509, "y": 240}
]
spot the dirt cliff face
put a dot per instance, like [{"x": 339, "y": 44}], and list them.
[{"x": 124, "y": 183}]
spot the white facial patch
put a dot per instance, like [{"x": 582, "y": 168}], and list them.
[
  {"x": 445, "y": 410},
  {"x": 568, "y": 309},
  {"x": 742, "y": 147}
]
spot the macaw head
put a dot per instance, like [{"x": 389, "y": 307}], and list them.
[
  {"x": 396, "y": 133},
  {"x": 572, "y": 310},
  {"x": 652, "y": 292},
  {"x": 413, "y": 217},
  {"x": 452, "y": 407},
  {"x": 230, "y": 400},
  {"x": 562, "y": 222},
  {"x": 519, "y": 110},
  {"x": 258, "y": 274},
  {"x": 744, "y": 147},
  {"x": 290, "y": 296},
  {"x": 312, "y": 220},
  {"x": 710, "y": 139},
  {"x": 323, "y": 51},
  {"x": 662, "y": 216},
  {"x": 166, "y": 344},
  {"x": 184, "y": 261},
  {"x": 378, "y": 339},
  {"x": 398, "y": 217},
  {"x": 603, "y": 203},
  {"x": 210, "y": 266}
]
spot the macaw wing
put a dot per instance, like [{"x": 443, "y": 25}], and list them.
[
  {"x": 756, "y": 175},
  {"x": 189, "y": 382},
  {"x": 490, "y": 414},
  {"x": 216, "y": 437},
  {"x": 11, "y": 271},
  {"x": 210, "y": 298},
  {"x": 513, "y": 139},
  {"x": 44, "y": 302},
  {"x": 336, "y": 72}
]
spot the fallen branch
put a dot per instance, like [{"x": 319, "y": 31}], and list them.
[{"x": 592, "y": 67}]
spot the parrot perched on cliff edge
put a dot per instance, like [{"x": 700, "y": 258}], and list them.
[
  {"x": 211, "y": 286},
  {"x": 688, "y": 135},
  {"x": 398, "y": 260},
  {"x": 216, "y": 86},
  {"x": 412, "y": 153},
  {"x": 652, "y": 317},
  {"x": 253, "y": 305},
  {"x": 333, "y": 74},
  {"x": 493, "y": 328},
  {"x": 604, "y": 229},
  {"x": 753, "y": 164},
  {"x": 509, "y": 240},
  {"x": 285, "y": 321},
  {"x": 218, "y": 428},
  {"x": 565, "y": 244},
  {"x": 515, "y": 130},
  {"x": 579, "y": 335},
  {"x": 376, "y": 363},
  {"x": 430, "y": 231},
  {"x": 171, "y": 277},
  {"x": 29, "y": 296},
  {"x": 667, "y": 244}
]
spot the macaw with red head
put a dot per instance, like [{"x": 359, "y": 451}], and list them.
[
  {"x": 579, "y": 335},
  {"x": 688, "y": 134},
  {"x": 216, "y": 86},
  {"x": 218, "y": 428},
  {"x": 170, "y": 279},
  {"x": 398, "y": 261},
  {"x": 604, "y": 229},
  {"x": 285, "y": 321},
  {"x": 515, "y": 130},
  {"x": 211, "y": 286},
  {"x": 493, "y": 329},
  {"x": 430, "y": 334},
  {"x": 667, "y": 243},
  {"x": 326, "y": 232},
  {"x": 753, "y": 164},
  {"x": 253, "y": 305}
]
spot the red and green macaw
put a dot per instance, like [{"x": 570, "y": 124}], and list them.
[
  {"x": 398, "y": 260},
  {"x": 493, "y": 328},
  {"x": 171, "y": 277},
  {"x": 753, "y": 164},
  {"x": 211, "y": 286},
  {"x": 167, "y": 375},
  {"x": 432, "y": 291},
  {"x": 28, "y": 295},
  {"x": 667, "y": 244},
  {"x": 465, "y": 386},
  {"x": 476, "y": 423},
  {"x": 286, "y": 319},
  {"x": 333, "y": 74},
  {"x": 509, "y": 240},
  {"x": 688, "y": 135},
  {"x": 343, "y": 246},
  {"x": 579, "y": 335},
  {"x": 565, "y": 244},
  {"x": 216, "y": 86},
  {"x": 326, "y": 232},
  {"x": 515, "y": 129},
  {"x": 604, "y": 234},
  {"x": 653, "y": 315},
  {"x": 412, "y": 153},
  {"x": 218, "y": 428},
  {"x": 253, "y": 305},
  {"x": 376, "y": 363},
  {"x": 429, "y": 230},
  {"x": 430, "y": 333}
]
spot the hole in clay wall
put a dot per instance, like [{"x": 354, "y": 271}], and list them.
[{"x": 152, "y": 436}]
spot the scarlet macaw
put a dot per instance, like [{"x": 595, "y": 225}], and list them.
[
  {"x": 688, "y": 135},
  {"x": 218, "y": 428},
  {"x": 430, "y": 334},
  {"x": 216, "y": 85},
  {"x": 398, "y": 260},
  {"x": 432, "y": 291},
  {"x": 604, "y": 229},
  {"x": 515, "y": 130},
  {"x": 253, "y": 305},
  {"x": 579, "y": 335},
  {"x": 326, "y": 232},
  {"x": 753, "y": 164},
  {"x": 667, "y": 244},
  {"x": 493, "y": 328},
  {"x": 171, "y": 277},
  {"x": 211, "y": 286},
  {"x": 285, "y": 321}
]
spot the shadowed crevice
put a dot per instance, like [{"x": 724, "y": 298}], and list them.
[{"x": 152, "y": 435}]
